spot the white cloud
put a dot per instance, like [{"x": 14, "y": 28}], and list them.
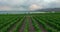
[
  {"x": 11, "y": 4},
  {"x": 25, "y": 4}
]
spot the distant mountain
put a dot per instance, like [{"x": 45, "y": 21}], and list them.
[
  {"x": 49, "y": 9},
  {"x": 38, "y": 10},
  {"x": 12, "y": 12}
]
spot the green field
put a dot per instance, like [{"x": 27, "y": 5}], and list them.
[{"x": 42, "y": 22}]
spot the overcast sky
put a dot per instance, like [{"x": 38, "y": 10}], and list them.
[{"x": 28, "y": 4}]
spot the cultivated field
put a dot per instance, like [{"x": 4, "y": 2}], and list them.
[{"x": 43, "y": 22}]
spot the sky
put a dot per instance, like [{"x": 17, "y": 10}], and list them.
[{"x": 25, "y": 5}]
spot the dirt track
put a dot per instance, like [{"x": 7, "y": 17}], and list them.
[{"x": 31, "y": 28}]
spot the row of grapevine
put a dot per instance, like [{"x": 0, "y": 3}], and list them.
[
  {"x": 26, "y": 29},
  {"x": 48, "y": 22},
  {"x": 10, "y": 21},
  {"x": 18, "y": 25},
  {"x": 35, "y": 25}
]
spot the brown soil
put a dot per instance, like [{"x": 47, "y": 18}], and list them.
[{"x": 31, "y": 28}]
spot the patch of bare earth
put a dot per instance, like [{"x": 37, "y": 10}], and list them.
[{"x": 31, "y": 28}]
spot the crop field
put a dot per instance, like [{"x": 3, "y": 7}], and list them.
[{"x": 42, "y": 22}]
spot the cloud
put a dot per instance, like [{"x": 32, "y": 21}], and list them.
[
  {"x": 46, "y": 3},
  {"x": 12, "y": 4},
  {"x": 5, "y": 8},
  {"x": 25, "y": 4}
]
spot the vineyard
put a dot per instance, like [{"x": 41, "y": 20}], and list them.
[{"x": 43, "y": 22}]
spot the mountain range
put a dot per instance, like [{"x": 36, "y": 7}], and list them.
[
  {"x": 49, "y": 10},
  {"x": 38, "y": 10}
]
